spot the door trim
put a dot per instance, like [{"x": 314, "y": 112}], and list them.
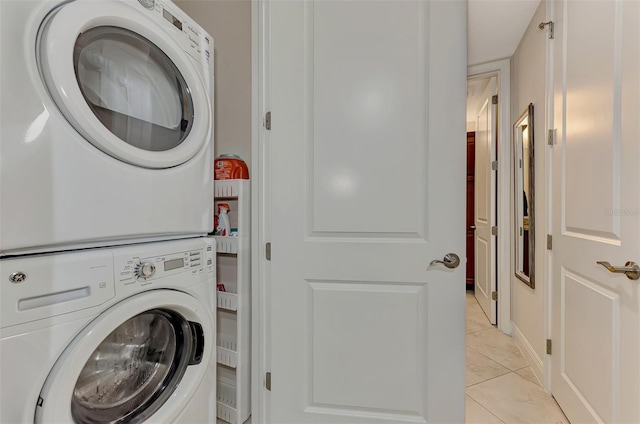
[
  {"x": 548, "y": 198},
  {"x": 260, "y": 212},
  {"x": 502, "y": 70}
]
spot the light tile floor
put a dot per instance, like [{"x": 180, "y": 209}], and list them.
[{"x": 501, "y": 388}]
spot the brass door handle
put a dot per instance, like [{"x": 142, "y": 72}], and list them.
[{"x": 630, "y": 269}]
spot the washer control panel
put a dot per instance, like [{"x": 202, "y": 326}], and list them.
[{"x": 142, "y": 271}]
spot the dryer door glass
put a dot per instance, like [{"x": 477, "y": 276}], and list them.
[
  {"x": 134, "y": 370},
  {"x": 133, "y": 88}
]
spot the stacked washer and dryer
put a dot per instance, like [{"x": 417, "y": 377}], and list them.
[{"x": 107, "y": 276}]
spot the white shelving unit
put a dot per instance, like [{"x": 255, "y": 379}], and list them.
[{"x": 234, "y": 305}]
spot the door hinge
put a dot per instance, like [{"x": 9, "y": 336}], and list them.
[
  {"x": 521, "y": 231},
  {"x": 494, "y": 99},
  {"x": 494, "y": 165},
  {"x": 267, "y": 381},
  {"x": 551, "y": 137},
  {"x": 494, "y": 295},
  {"x": 549, "y": 242},
  {"x": 267, "y": 120},
  {"x": 548, "y": 346},
  {"x": 267, "y": 251},
  {"x": 494, "y": 230},
  {"x": 550, "y": 23}
]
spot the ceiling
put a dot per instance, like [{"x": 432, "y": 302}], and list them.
[{"x": 495, "y": 27}]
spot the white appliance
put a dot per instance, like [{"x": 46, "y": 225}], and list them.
[
  {"x": 122, "y": 334},
  {"x": 106, "y": 124}
]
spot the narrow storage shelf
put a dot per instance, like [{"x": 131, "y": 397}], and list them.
[
  {"x": 233, "y": 264},
  {"x": 228, "y": 301},
  {"x": 226, "y": 405},
  {"x": 226, "y": 352},
  {"x": 227, "y": 189},
  {"x": 226, "y": 412},
  {"x": 227, "y": 357},
  {"x": 227, "y": 245}
]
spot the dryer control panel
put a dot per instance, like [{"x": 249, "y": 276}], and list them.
[{"x": 193, "y": 38}]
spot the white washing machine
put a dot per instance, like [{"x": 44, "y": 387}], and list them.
[
  {"x": 109, "y": 335},
  {"x": 106, "y": 122}
]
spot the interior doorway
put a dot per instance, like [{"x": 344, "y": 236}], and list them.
[
  {"x": 482, "y": 106},
  {"x": 488, "y": 189}
]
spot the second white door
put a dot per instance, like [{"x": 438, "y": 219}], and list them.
[
  {"x": 596, "y": 211},
  {"x": 485, "y": 203},
  {"x": 367, "y": 186}
]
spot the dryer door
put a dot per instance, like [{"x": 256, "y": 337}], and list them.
[
  {"x": 121, "y": 77},
  {"x": 142, "y": 358}
]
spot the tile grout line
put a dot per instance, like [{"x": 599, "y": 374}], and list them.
[
  {"x": 546, "y": 395},
  {"x": 493, "y": 360},
  {"x": 497, "y": 361},
  {"x": 486, "y": 409},
  {"x": 489, "y": 379}
]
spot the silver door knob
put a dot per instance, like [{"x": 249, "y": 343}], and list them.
[
  {"x": 630, "y": 269},
  {"x": 450, "y": 260}
]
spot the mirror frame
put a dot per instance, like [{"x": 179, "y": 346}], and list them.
[{"x": 525, "y": 118}]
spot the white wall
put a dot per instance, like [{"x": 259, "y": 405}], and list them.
[
  {"x": 229, "y": 22},
  {"x": 475, "y": 91},
  {"x": 528, "y": 86}
]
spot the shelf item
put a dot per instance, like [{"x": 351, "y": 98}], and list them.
[
  {"x": 227, "y": 357},
  {"x": 227, "y": 189},
  {"x": 227, "y": 244},
  {"x": 226, "y": 412},
  {"x": 226, "y": 402},
  {"x": 227, "y": 351},
  {"x": 233, "y": 352},
  {"x": 236, "y": 194},
  {"x": 228, "y": 301},
  {"x": 230, "y": 166}
]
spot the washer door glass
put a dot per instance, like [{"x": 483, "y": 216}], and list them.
[
  {"x": 134, "y": 370},
  {"x": 133, "y": 88}
]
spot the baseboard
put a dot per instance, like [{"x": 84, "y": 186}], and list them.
[{"x": 535, "y": 362}]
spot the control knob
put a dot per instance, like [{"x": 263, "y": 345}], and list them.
[
  {"x": 145, "y": 270},
  {"x": 149, "y": 4}
]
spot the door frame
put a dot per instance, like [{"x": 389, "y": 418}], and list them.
[
  {"x": 260, "y": 210},
  {"x": 502, "y": 70}
]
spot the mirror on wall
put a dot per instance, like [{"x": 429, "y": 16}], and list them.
[{"x": 524, "y": 197}]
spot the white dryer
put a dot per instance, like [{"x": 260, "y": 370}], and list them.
[
  {"x": 106, "y": 122},
  {"x": 110, "y": 335}
]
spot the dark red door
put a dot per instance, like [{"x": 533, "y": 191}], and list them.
[{"x": 471, "y": 161}]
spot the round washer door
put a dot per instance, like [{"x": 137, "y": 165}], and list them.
[
  {"x": 124, "y": 83},
  {"x": 144, "y": 357}
]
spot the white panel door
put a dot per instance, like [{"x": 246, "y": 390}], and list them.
[
  {"x": 596, "y": 210},
  {"x": 485, "y": 203},
  {"x": 366, "y": 161}
]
